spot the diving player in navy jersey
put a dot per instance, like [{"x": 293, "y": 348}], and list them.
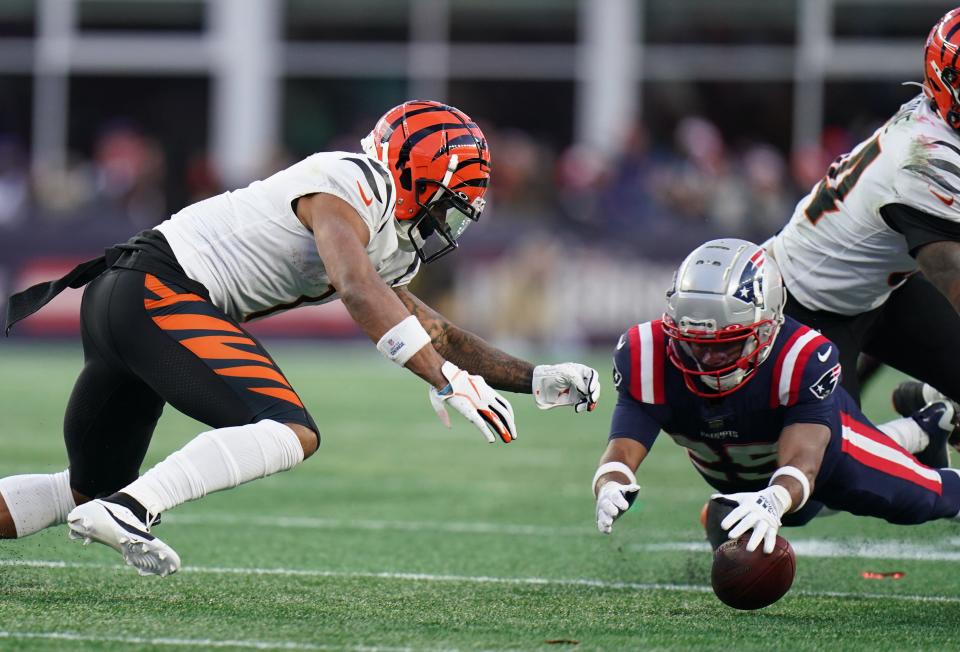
[{"x": 754, "y": 398}]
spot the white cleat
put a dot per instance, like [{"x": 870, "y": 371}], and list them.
[{"x": 116, "y": 526}]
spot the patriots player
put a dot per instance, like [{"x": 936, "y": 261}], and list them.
[
  {"x": 851, "y": 252},
  {"x": 161, "y": 323},
  {"x": 753, "y": 396}
]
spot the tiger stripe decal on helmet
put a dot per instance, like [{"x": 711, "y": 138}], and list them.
[
  {"x": 440, "y": 162},
  {"x": 941, "y": 78}
]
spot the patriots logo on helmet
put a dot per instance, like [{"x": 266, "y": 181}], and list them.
[
  {"x": 826, "y": 383},
  {"x": 750, "y": 287}
]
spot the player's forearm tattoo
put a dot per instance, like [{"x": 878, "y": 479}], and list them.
[
  {"x": 940, "y": 262},
  {"x": 468, "y": 351}
]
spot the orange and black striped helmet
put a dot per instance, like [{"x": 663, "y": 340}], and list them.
[
  {"x": 941, "y": 77},
  {"x": 440, "y": 164}
]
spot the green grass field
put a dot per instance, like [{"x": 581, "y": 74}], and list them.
[{"x": 399, "y": 534}]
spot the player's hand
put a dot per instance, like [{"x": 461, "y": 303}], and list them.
[
  {"x": 568, "y": 383},
  {"x": 759, "y": 511},
  {"x": 474, "y": 399},
  {"x": 612, "y": 502}
]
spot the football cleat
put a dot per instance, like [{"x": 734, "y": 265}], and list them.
[
  {"x": 911, "y": 395},
  {"x": 116, "y": 526},
  {"x": 941, "y": 421}
]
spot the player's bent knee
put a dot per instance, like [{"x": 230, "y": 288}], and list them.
[{"x": 309, "y": 440}]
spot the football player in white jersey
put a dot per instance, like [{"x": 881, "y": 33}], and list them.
[
  {"x": 871, "y": 257},
  {"x": 161, "y": 319}
]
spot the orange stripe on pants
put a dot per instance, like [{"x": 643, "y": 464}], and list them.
[
  {"x": 278, "y": 392},
  {"x": 190, "y": 322},
  {"x": 217, "y": 347},
  {"x": 253, "y": 371}
]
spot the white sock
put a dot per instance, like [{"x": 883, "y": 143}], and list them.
[
  {"x": 906, "y": 432},
  {"x": 215, "y": 460},
  {"x": 36, "y": 502}
]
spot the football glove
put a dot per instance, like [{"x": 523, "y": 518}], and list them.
[
  {"x": 568, "y": 383},
  {"x": 474, "y": 399},
  {"x": 759, "y": 511},
  {"x": 612, "y": 502}
]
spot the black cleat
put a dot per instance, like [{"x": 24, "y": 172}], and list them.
[
  {"x": 941, "y": 421},
  {"x": 911, "y": 395}
]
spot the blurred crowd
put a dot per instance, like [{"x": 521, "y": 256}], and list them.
[{"x": 657, "y": 198}]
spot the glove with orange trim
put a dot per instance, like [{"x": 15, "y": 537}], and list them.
[
  {"x": 569, "y": 383},
  {"x": 475, "y": 400}
]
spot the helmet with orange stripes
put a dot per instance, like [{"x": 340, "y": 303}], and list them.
[
  {"x": 941, "y": 77},
  {"x": 440, "y": 164},
  {"x": 723, "y": 315}
]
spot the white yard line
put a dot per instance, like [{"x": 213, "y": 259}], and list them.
[
  {"x": 471, "y": 579},
  {"x": 196, "y": 643},
  {"x": 835, "y": 548},
  {"x": 313, "y": 523}
]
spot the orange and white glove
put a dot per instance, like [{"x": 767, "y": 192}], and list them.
[{"x": 475, "y": 400}]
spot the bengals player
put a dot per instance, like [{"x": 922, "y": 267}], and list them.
[
  {"x": 871, "y": 257},
  {"x": 162, "y": 323}
]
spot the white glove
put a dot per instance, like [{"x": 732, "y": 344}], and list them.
[
  {"x": 757, "y": 510},
  {"x": 474, "y": 399},
  {"x": 568, "y": 383},
  {"x": 612, "y": 502}
]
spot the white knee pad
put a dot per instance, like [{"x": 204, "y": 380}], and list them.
[
  {"x": 216, "y": 460},
  {"x": 36, "y": 502}
]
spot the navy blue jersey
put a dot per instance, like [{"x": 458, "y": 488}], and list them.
[{"x": 732, "y": 441}]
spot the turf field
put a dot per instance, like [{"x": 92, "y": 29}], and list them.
[{"x": 399, "y": 534}]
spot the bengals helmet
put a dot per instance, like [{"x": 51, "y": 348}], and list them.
[
  {"x": 723, "y": 315},
  {"x": 941, "y": 76},
  {"x": 440, "y": 164}
]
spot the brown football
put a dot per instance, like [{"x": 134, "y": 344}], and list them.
[{"x": 752, "y": 580}]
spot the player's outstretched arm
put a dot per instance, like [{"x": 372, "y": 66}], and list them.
[
  {"x": 799, "y": 453},
  {"x": 940, "y": 263},
  {"x": 341, "y": 238},
  {"x": 568, "y": 383},
  {"x": 615, "y": 483}
]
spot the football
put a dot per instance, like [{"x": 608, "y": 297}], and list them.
[{"x": 752, "y": 580}]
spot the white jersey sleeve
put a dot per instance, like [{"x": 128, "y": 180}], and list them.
[
  {"x": 929, "y": 178},
  {"x": 256, "y": 258},
  {"x": 837, "y": 253},
  {"x": 358, "y": 180}
]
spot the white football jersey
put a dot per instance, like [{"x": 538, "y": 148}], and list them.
[
  {"x": 256, "y": 258},
  {"x": 836, "y": 252}
]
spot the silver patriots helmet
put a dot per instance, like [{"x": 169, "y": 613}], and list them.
[{"x": 723, "y": 315}]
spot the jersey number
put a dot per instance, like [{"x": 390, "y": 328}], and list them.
[
  {"x": 840, "y": 180},
  {"x": 742, "y": 461}
]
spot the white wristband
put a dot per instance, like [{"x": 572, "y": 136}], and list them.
[
  {"x": 402, "y": 342},
  {"x": 610, "y": 467},
  {"x": 797, "y": 475}
]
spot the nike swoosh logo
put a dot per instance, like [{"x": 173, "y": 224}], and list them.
[
  {"x": 129, "y": 528},
  {"x": 822, "y": 357},
  {"x": 362, "y": 195},
  {"x": 948, "y": 201}
]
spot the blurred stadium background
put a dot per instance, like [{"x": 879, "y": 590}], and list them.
[{"x": 623, "y": 132}]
